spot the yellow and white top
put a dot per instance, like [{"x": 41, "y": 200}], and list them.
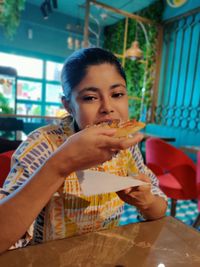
[{"x": 69, "y": 212}]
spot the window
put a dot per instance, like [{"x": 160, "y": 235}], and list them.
[
  {"x": 29, "y": 90},
  {"x": 53, "y": 93},
  {"x": 53, "y": 71},
  {"x": 25, "y": 66},
  {"x": 55, "y": 111},
  {"x": 38, "y": 85},
  {"x": 7, "y": 94},
  {"x": 28, "y": 109}
]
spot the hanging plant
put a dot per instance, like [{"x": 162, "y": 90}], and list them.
[
  {"x": 136, "y": 70},
  {"x": 10, "y": 11}
]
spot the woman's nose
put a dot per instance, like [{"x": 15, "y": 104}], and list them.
[{"x": 106, "y": 106}]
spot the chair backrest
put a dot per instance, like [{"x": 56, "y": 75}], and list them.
[
  {"x": 162, "y": 154},
  {"x": 5, "y": 160}
]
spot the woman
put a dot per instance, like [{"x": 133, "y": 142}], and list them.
[{"x": 41, "y": 197}]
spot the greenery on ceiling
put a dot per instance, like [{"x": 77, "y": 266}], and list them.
[
  {"x": 4, "y": 105},
  {"x": 135, "y": 70},
  {"x": 10, "y": 11}
]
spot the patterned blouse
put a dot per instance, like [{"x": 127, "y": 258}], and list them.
[{"x": 69, "y": 212}]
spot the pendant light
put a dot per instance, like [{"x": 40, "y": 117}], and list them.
[{"x": 134, "y": 52}]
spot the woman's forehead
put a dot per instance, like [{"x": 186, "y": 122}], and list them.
[
  {"x": 101, "y": 66},
  {"x": 102, "y": 73},
  {"x": 99, "y": 78}
]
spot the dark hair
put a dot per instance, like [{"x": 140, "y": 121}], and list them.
[{"x": 75, "y": 67}]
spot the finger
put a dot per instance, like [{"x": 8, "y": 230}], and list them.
[
  {"x": 144, "y": 188},
  {"x": 127, "y": 190},
  {"x": 136, "y": 190},
  {"x": 120, "y": 143},
  {"x": 143, "y": 177},
  {"x": 105, "y": 131},
  {"x": 130, "y": 199},
  {"x": 128, "y": 142}
]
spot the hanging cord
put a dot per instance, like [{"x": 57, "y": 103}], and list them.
[
  {"x": 136, "y": 31},
  {"x": 145, "y": 69}
]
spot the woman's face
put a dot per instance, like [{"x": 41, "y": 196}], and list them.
[{"x": 101, "y": 96}]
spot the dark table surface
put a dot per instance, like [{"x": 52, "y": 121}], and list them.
[{"x": 163, "y": 243}]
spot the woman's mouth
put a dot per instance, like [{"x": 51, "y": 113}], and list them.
[{"x": 109, "y": 122}]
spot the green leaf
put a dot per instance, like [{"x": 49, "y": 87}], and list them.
[
  {"x": 135, "y": 70},
  {"x": 10, "y": 12}
]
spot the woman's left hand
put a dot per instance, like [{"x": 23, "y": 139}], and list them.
[{"x": 139, "y": 196}]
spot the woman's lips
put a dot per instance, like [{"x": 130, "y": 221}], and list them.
[{"x": 109, "y": 121}]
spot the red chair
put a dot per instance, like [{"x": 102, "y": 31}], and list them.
[
  {"x": 176, "y": 172},
  {"x": 197, "y": 221},
  {"x": 5, "y": 159}
]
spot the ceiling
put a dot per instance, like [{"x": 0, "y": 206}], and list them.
[{"x": 76, "y": 8}]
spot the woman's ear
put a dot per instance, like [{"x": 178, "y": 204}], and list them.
[{"x": 66, "y": 104}]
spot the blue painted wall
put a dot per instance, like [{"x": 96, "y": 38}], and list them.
[
  {"x": 170, "y": 12},
  {"x": 178, "y": 107},
  {"x": 49, "y": 37}
]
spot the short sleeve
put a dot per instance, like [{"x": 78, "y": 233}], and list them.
[{"x": 26, "y": 160}]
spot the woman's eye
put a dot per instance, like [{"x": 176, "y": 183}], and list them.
[
  {"x": 89, "y": 98},
  {"x": 116, "y": 95}
]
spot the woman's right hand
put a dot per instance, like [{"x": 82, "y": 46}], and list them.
[{"x": 89, "y": 147}]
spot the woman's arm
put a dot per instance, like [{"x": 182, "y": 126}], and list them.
[
  {"x": 81, "y": 151},
  {"x": 150, "y": 205},
  {"x": 21, "y": 207},
  {"x": 149, "y": 199}
]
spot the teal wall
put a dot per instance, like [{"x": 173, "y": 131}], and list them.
[
  {"x": 170, "y": 12},
  {"x": 49, "y": 36},
  {"x": 178, "y": 107}
]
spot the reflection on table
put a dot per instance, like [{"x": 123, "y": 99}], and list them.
[{"x": 165, "y": 242}]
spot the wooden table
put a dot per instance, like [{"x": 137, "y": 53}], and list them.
[
  {"x": 162, "y": 243},
  {"x": 190, "y": 149}
]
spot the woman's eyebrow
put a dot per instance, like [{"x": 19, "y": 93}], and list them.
[
  {"x": 96, "y": 89},
  {"x": 117, "y": 85},
  {"x": 88, "y": 89}
]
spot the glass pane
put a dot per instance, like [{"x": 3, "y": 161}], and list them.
[
  {"x": 53, "y": 93},
  {"x": 28, "y": 109},
  {"x": 55, "y": 111},
  {"x": 53, "y": 71},
  {"x": 25, "y": 66},
  {"x": 7, "y": 94},
  {"x": 29, "y": 90}
]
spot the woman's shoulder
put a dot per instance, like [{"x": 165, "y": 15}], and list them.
[
  {"x": 48, "y": 137},
  {"x": 62, "y": 127},
  {"x": 46, "y": 130}
]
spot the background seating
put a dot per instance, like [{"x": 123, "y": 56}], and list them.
[
  {"x": 197, "y": 221},
  {"x": 175, "y": 170},
  {"x": 5, "y": 160}
]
